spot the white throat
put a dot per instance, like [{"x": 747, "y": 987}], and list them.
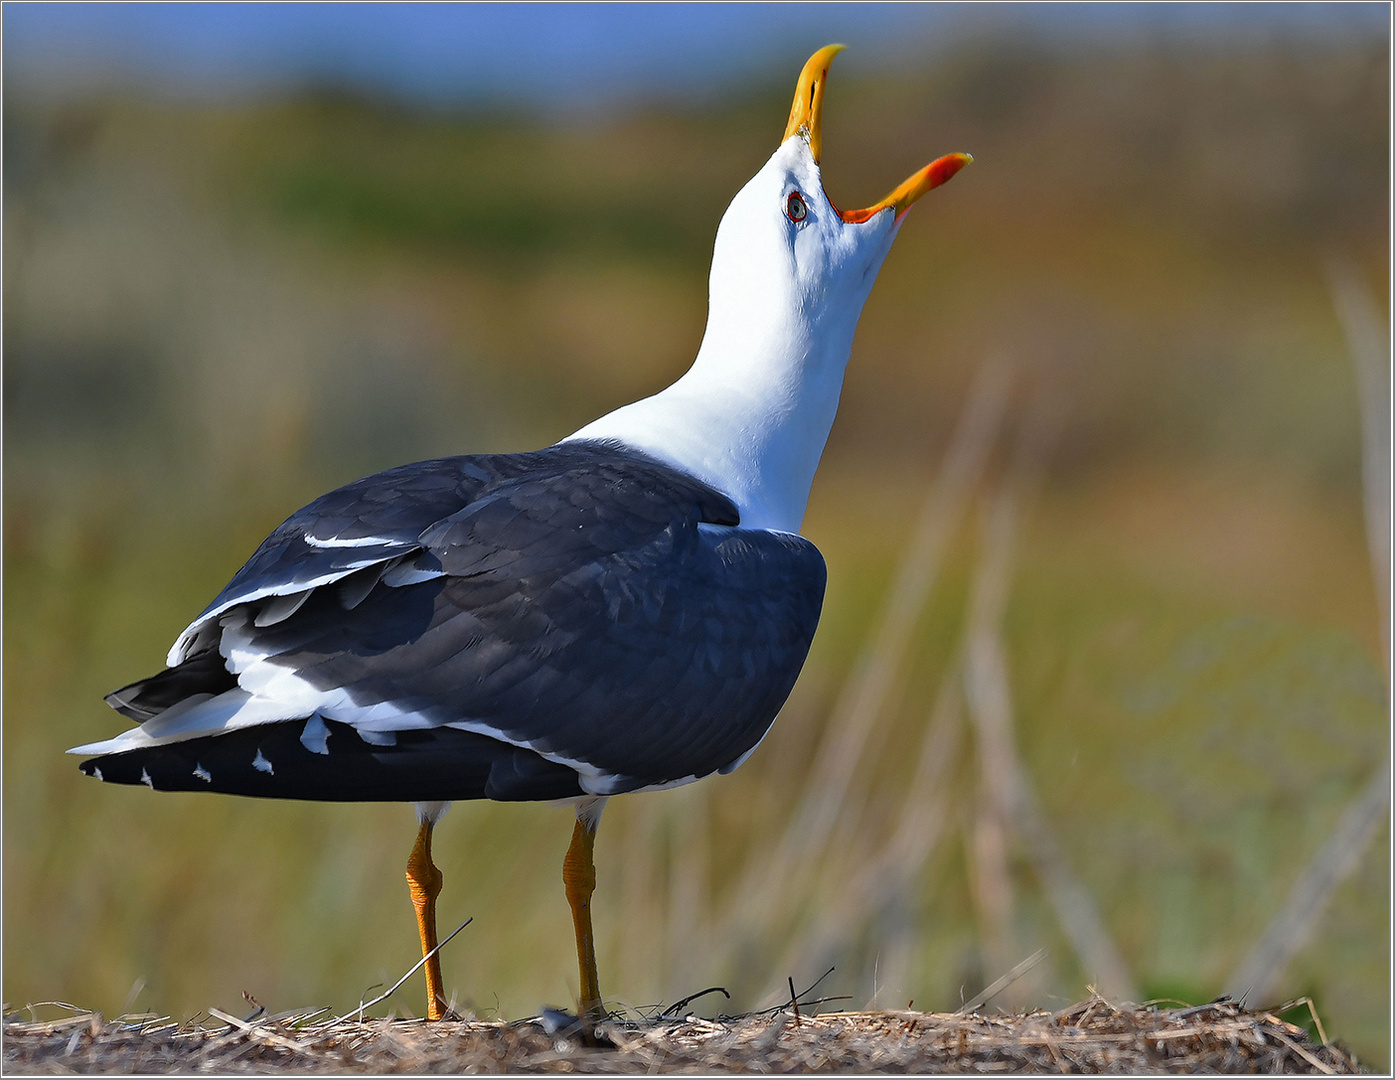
[
  {"x": 751, "y": 426},
  {"x": 752, "y": 415}
]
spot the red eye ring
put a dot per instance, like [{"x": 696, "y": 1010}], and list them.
[{"x": 795, "y": 208}]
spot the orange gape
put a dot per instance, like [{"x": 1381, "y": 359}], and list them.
[
  {"x": 579, "y": 878},
  {"x": 425, "y": 882}
]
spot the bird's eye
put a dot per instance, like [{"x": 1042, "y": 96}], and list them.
[{"x": 795, "y": 207}]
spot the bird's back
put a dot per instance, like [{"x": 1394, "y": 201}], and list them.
[{"x": 576, "y": 620}]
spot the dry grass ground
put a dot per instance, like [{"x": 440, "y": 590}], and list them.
[{"x": 1091, "y": 1037}]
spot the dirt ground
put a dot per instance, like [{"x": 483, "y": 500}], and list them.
[{"x": 1091, "y": 1037}]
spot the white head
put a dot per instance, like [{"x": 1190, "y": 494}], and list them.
[{"x": 790, "y": 274}]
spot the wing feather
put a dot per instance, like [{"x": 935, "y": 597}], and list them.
[{"x": 583, "y": 604}]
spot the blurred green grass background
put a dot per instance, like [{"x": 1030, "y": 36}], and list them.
[{"x": 215, "y": 312}]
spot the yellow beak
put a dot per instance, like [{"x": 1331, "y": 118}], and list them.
[
  {"x": 806, "y": 114},
  {"x": 806, "y": 117}
]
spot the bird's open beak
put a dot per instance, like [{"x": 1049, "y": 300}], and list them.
[{"x": 806, "y": 117}]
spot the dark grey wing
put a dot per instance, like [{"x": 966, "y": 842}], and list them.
[
  {"x": 646, "y": 645},
  {"x": 597, "y": 612},
  {"x": 588, "y": 614}
]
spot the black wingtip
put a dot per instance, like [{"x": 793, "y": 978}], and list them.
[{"x": 271, "y": 761}]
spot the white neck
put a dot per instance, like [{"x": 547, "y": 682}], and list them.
[{"x": 749, "y": 418}]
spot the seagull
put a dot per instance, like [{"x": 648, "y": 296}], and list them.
[{"x": 625, "y": 610}]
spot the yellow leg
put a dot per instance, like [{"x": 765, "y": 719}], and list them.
[
  {"x": 425, "y": 881},
  {"x": 579, "y": 876}
]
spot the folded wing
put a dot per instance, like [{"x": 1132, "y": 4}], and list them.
[{"x": 581, "y": 619}]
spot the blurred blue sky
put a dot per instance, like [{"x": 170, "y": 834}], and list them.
[{"x": 568, "y": 55}]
